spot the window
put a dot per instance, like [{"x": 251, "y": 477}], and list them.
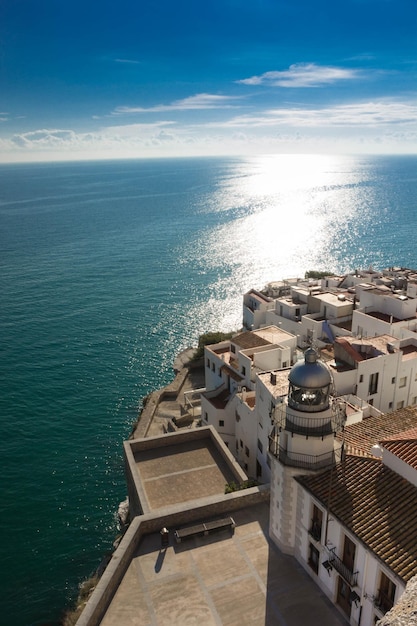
[
  {"x": 373, "y": 383},
  {"x": 205, "y": 416},
  {"x": 208, "y": 363},
  {"x": 258, "y": 469},
  {"x": 361, "y": 378},
  {"x": 285, "y": 364},
  {"x": 246, "y": 450},
  {"x": 390, "y": 405},
  {"x": 245, "y": 467},
  {"x": 313, "y": 558},
  {"x": 260, "y": 446},
  {"x": 403, "y": 381},
  {"x": 414, "y": 400},
  {"x": 316, "y": 523},
  {"x": 386, "y": 594},
  {"x": 243, "y": 370},
  {"x": 241, "y": 443},
  {"x": 400, "y": 405},
  {"x": 393, "y": 380},
  {"x": 349, "y": 550},
  {"x": 233, "y": 349},
  {"x": 213, "y": 367},
  {"x": 221, "y": 423}
]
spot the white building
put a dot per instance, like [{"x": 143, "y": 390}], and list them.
[
  {"x": 381, "y": 370},
  {"x": 303, "y": 440},
  {"x": 230, "y": 402},
  {"x": 349, "y": 520}
]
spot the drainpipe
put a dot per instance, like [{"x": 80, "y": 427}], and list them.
[
  {"x": 328, "y": 506},
  {"x": 363, "y": 586}
]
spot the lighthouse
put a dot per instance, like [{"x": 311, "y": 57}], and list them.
[{"x": 303, "y": 441}]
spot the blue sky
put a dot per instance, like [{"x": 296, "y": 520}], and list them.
[{"x": 91, "y": 79}]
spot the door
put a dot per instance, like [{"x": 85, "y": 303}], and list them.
[{"x": 343, "y": 595}]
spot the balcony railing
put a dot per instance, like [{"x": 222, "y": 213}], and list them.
[
  {"x": 383, "y": 602},
  {"x": 315, "y": 530},
  {"x": 307, "y": 425},
  {"x": 306, "y": 461},
  {"x": 344, "y": 570}
]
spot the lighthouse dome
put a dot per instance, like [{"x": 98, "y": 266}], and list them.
[
  {"x": 309, "y": 384},
  {"x": 310, "y": 374}
]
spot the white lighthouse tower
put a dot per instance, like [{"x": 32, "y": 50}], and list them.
[{"x": 303, "y": 441}]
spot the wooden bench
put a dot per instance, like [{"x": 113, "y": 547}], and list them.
[{"x": 201, "y": 530}]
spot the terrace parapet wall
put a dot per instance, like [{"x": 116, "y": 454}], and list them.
[{"x": 170, "y": 518}]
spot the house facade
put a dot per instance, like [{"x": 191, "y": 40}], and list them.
[{"x": 350, "y": 520}]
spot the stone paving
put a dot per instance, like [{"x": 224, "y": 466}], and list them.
[
  {"x": 182, "y": 472},
  {"x": 230, "y": 580}
]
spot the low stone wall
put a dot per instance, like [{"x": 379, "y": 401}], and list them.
[
  {"x": 138, "y": 502},
  {"x": 170, "y": 518},
  {"x": 170, "y": 392}
]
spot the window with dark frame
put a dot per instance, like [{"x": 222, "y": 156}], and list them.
[{"x": 313, "y": 558}]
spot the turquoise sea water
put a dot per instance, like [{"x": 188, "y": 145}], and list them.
[{"x": 107, "y": 271}]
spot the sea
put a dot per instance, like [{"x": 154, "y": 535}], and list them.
[{"x": 108, "y": 270}]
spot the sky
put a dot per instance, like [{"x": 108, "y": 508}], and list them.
[{"x": 89, "y": 79}]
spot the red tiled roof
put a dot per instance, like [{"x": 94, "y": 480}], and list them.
[
  {"x": 249, "y": 340},
  {"x": 219, "y": 401},
  {"x": 359, "y": 438},
  {"x": 374, "y": 503},
  {"x": 404, "y": 449},
  {"x": 411, "y": 433},
  {"x": 231, "y": 372}
]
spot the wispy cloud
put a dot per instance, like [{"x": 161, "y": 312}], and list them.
[
  {"x": 303, "y": 75},
  {"x": 136, "y": 130},
  {"x": 199, "y": 101},
  {"x": 128, "y": 61},
  {"x": 370, "y": 114}
]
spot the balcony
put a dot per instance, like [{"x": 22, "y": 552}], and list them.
[
  {"x": 305, "y": 461},
  {"x": 315, "y": 530},
  {"x": 383, "y": 602},
  {"x": 349, "y": 575},
  {"x": 306, "y": 425}
]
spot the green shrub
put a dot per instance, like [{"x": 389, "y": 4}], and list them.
[
  {"x": 316, "y": 274},
  {"x": 208, "y": 339},
  {"x": 247, "y": 484}
]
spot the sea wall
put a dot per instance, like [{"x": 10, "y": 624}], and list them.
[{"x": 182, "y": 366}]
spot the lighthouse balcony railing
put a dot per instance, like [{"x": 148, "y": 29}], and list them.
[
  {"x": 305, "y": 461},
  {"x": 307, "y": 425}
]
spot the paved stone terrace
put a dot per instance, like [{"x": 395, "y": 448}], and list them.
[
  {"x": 182, "y": 472},
  {"x": 224, "y": 579}
]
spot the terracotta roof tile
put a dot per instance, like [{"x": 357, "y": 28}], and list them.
[
  {"x": 374, "y": 503},
  {"x": 359, "y": 438},
  {"x": 231, "y": 372},
  {"x": 249, "y": 340},
  {"x": 404, "y": 449}
]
